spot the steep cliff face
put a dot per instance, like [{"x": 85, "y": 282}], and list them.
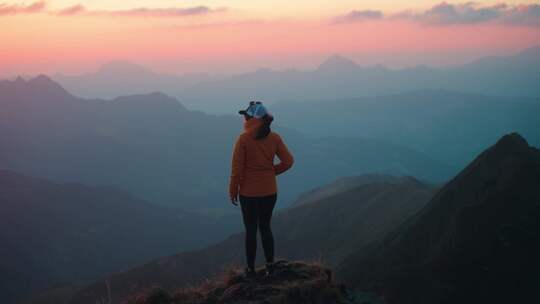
[{"x": 476, "y": 241}]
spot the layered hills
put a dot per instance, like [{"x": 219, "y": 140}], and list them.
[
  {"x": 153, "y": 147},
  {"x": 325, "y": 230},
  {"x": 53, "y": 233}
]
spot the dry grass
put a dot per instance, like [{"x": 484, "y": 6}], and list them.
[{"x": 292, "y": 283}]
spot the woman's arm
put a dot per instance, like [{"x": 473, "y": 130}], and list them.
[
  {"x": 285, "y": 157},
  {"x": 237, "y": 168}
]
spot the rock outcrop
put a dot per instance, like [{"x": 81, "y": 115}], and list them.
[{"x": 292, "y": 282}]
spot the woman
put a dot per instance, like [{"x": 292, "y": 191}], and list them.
[{"x": 253, "y": 179}]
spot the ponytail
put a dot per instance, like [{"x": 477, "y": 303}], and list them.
[{"x": 264, "y": 129}]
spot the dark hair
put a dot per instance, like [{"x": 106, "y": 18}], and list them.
[{"x": 264, "y": 129}]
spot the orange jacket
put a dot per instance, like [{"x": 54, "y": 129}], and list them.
[{"x": 253, "y": 171}]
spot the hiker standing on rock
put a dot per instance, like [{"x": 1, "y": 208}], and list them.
[{"x": 253, "y": 179}]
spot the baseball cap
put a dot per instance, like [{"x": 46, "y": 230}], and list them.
[{"x": 255, "y": 109}]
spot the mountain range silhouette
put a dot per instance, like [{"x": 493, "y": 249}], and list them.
[
  {"x": 337, "y": 77},
  {"x": 148, "y": 144},
  {"x": 475, "y": 239}
]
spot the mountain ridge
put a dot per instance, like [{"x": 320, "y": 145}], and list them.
[
  {"x": 337, "y": 63},
  {"x": 150, "y": 144},
  {"x": 52, "y": 233},
  {"x": 195, "y": 91},
  {"x": 476, "y": 236},
  {"x": 443, "y": 124},
  {"x": 462, "y": 243},
  {"x": 301, "y": 232}
]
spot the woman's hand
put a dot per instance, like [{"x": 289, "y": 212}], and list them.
[{"x": 233, "y": 195}]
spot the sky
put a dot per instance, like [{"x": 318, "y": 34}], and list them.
[{"x": 213, "y": 36}]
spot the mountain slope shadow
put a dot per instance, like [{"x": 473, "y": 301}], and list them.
[
  {"x": 308, "y": 231},
  {"x": 476, "y": 241},
  {"x": 53, "y": 233}
]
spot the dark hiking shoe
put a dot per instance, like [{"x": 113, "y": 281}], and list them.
[
  {"x": 249, "y": 273},
  {"x": 269, "y": 271}
]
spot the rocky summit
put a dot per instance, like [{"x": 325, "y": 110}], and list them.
[{"x": 291, "y": 282}]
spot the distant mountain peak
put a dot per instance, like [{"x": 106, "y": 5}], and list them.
[
  {"x": 19, "y": 80},
  {"x": 337, "y": 63},
  {"x": 533, "y": 51},
  {"x": 411, "y": 180},
  {"x": 44, "y": 83},
  {"x": 123, "y": 67},
  {"x": 503, "y": 154},
  {"x": 42, "y": 80},
  {"x": 151, "y": 101},
  {"x": 512, "y": 140},
  {"x": 263, "y": 71},
  {"x": 151, "y": 96},
  {"x": 41, "y": 84}
]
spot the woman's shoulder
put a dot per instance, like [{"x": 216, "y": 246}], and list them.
[
  {"x": 242, "y": 137},
  {"x": 274, "y": 135}
]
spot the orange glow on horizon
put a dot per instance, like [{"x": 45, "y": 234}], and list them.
[{"x": 45, "y": 42}]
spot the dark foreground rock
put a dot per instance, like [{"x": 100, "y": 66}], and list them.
[{"x": 292, "y": 282}]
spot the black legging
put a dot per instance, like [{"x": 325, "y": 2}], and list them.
[{"x": 257, "y": 211}]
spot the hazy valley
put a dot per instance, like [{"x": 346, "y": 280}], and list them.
[{"x": 416, "y": 185}]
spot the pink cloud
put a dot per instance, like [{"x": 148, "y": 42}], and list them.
[
  {"x": 356, "y": 16},
  {"x": 472, "y": 13},
  {"x": 523, "y": 15},
  {"x": 14, "y": 9},
  {"x": 465, "y": 13},
  {"x": 456, "y": 14},
  {"x": 141, "y": 11},
  {"x": 72, "y": 10}
]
